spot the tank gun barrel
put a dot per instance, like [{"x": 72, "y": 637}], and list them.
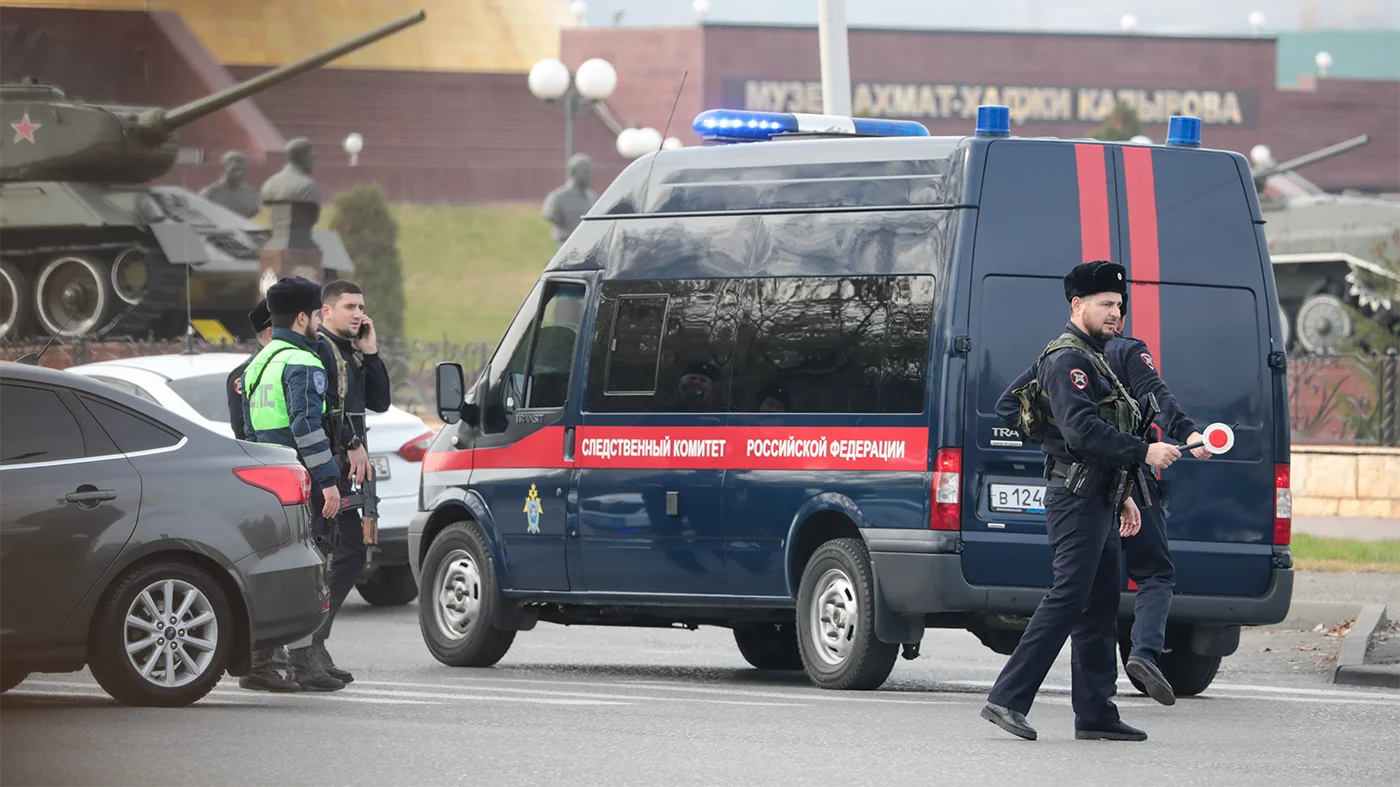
[
  {"x": 159, "y": 123},
  {"x": 1310, "y": 158}
]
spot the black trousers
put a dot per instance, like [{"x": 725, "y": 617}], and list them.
[
  {"x": 1081, "y": 606},
  {"x": 347, "y": 557},
  {"x": 1149, "y": 564}
]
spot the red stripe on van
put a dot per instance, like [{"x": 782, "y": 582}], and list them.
[
  {"x": 704, "y": 448},
  {"x": 1093, "y": 203},
  {"x": 1142, "y": 235}
]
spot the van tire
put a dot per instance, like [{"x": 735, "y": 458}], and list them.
[
  {"x": 461, "y": 635},
  {"x": 11, "y": 678},
  {"x": 835, "y": 619},
  {"x": 1188, "y": 673},
  {"x": 769, "y": 646}
]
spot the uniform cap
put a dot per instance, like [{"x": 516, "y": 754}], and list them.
[
  {"x": 260, "y": 318},
  {"x": 1093, "y": 277},
  {"x": 293, "y": 295}
]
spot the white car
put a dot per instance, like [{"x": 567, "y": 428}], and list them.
[{"x": 194, "y": 387}]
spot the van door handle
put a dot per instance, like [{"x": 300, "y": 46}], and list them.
[{"x": 568, "y": 444}]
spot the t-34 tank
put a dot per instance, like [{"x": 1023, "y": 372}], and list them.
[
  {"x": 87, "y": 246},
  {"x": 1327, "y": 249}
]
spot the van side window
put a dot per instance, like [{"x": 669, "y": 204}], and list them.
[
  {"x": 634, "y": 349},
  {"x": 547, "y": 385},
  {"x": 833, "y": 345}
]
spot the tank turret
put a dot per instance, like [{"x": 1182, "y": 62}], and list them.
[
  {"x": 1329, "y": 251},
  {"x": 106, "y": 143},
  {"x": 92, "y": 248}
]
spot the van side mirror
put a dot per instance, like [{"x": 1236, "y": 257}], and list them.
[{"x": 450, "y": 399}]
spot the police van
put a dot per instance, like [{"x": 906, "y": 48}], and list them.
[{"x": 756, "y": 389}]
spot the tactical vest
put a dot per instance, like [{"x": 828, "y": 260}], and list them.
[
  {"x": 1118, "y": 408},
  {"x": 262, "y": 383}
]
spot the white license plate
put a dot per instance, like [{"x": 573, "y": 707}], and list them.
[
  {"x": 381, "y": 466},
  {"x": 1018, "y": 498}
]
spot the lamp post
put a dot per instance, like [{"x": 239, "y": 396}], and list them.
[
  {"x": 353, "y": 145},
  {"x": 550, "y": 80}
]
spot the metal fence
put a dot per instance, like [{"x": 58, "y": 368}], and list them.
[
  {"x": 410, "y": 361},
  {"x": 1332, "y": 399}
]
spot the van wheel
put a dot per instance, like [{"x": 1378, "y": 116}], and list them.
[
  {"x": 390, "y": 586},
  {"x": 769, "y": 646},
  {"x": 10, "y": 679},
  {"x": 460, "y": 594},
  {"x": 1188, "y": 673},
  {"x": 835, "y": 619},
  {"x": 162, "y": 636}
]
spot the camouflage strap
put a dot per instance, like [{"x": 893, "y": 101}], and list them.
[{"x": 1032, "y": 416}]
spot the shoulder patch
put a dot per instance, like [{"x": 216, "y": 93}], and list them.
[
  {"x": 1147, "y": 359},
  {"x": 318, "y": 379},
  {"x": 1078, "y": 378}
]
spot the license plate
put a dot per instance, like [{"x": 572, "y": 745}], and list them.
[
  {"x": 381, "y": 466},
  {"x": 1018, "y": 498}
]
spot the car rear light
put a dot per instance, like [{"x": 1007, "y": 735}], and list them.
[
  {"x": 291, "y": 483},
  {"x": 946, "y": 513},
  {"x": 1283, "y": 506},
  {"x": 413, "y": 450}
]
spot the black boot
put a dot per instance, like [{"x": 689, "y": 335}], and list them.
[
  {"x": 263, "y": 676},
  {"x": 303, "y": 668},
  {"x": 1151, "y": 678},
  {"x": 323, "y": 658}
]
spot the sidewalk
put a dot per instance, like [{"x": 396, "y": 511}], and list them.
[{"x": 1348, "y": 527}]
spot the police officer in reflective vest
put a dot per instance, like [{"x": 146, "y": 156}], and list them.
[
  {"x": 285, "y": 388},
  {"x": 1085, "y": 420},
  {"x": 1146, "y": 553}
]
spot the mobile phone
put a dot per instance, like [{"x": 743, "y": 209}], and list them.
[{"x": 364, "y": 329}]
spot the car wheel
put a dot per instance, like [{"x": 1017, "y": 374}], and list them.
[
  {"x": 10, "y": 679},
  {"x": 835, "y": 623},
  {"x": 770, "y": 646},
  {"x": 1188, "y": 673},
  {"x": 162, "y": 636},
  {"x": 390, "y": 586},
  {"x": 459, "y": 596}
]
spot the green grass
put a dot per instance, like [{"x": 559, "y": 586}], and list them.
[
  {"x": 1316, "y": 553},
  {"x": 466, "y": 267}
]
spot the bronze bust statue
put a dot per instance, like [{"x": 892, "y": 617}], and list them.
[
  {"x": 565, "y": 206},
  {"x": 294, "y": 199},
  {"x": 230, "y": 191}
]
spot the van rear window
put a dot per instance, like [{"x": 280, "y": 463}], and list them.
[{"x": 636, "y": 343}]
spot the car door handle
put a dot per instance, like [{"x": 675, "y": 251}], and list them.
[{"x": 91, "y": 495}]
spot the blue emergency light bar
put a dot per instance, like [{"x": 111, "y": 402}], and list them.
[
  {"x": 741, "y": 125},
  {"x": 1184, "y": 131}
]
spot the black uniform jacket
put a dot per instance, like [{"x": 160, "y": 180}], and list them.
[
  {"x": 1074, "y": 387},
  {"x": 367, "y": 386},
  {"x": 233, "y": 387},
  {"x": 1131, "y": 360}
]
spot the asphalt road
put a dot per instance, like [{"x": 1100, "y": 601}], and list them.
[{"x": 594, "y": 706}]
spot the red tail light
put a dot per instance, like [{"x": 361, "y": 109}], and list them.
[
  {"x": 291, "y": 483},
  {"x": 1283, "y": 506},
  {"x": 946, "y": 513},
  {"x": 413, "y": 450}
]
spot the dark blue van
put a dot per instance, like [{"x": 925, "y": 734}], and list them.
[{"x": 756, "y": 389}]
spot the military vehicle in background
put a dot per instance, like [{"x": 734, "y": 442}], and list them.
[
  {"x": 1327, "y": 250},
  {"x": 89, "y": 248}
]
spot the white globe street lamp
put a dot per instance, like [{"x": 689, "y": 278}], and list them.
[
  {"x": 1324, "y": 62},
  {"x": 1256, "y": 21},
  {"x": 672, "y": 143},
  {"x": 647, "y": 140},
  {"x": 595, "y": 80},
  {"x": 353, "y": 145},
  {"x": 1129, "y": 23},
  {"x": 579, "y": 8},
  {"x": 1261, "y": 156},
  {"x": 626, "y": 143},
  {"x": 702, "y": 8}
]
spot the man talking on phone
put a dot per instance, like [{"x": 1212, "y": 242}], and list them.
[{"x": 358, "y": 379}]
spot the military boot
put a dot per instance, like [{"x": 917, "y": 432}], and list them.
[
  {"x": 323, "y": 658},
  {"x": 263, "y": 676},
  {"x": 308, "y": 674}
]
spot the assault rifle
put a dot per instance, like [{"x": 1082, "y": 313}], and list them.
[
  {"x": 1124, "y": 479},
  {"x": 367, "y": 500}
]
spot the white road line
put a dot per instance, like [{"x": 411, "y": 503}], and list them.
[
  {"x": 1267, "y": 693},
  {"x": 808, "y": 694},
  {"x": 379, "y": 696},
  {"x": 625, "y": 697}
]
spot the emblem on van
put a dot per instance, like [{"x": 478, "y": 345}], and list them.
[
  {"x": 1079, "y": 378},
  {"x": 532, "y": 509},
  {"x": 1147, "y": 359}
]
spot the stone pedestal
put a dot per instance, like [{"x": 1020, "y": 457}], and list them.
[{"x": 277, "y": 263}]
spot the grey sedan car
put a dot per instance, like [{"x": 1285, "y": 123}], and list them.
[{"x": 135, "y": 542}]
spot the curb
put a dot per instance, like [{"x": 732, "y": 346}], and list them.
[{"x": 1351, "y": 667}]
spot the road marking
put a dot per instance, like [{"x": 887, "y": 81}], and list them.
[
  {"x": 1266, "y": 693},
  {"x": 810, "y": 693},
  {"x": 625, "y": 697}
]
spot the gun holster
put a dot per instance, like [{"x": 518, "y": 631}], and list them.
[{"x": 1083, "y": 479}]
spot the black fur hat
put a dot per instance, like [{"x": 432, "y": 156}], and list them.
[
  {"x": 1097, "y": 276},
  {"x": 293, "y": 295},
  {"x": 260, "y": 318}
]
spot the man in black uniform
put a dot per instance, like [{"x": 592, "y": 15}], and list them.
[
  {"x": 261, "y": 320},
  {"x": 1146, "y": 553},
  {"x": 1087, "y": 436},
  {"x": 357, "y": 379}
]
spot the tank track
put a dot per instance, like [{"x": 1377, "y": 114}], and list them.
[{"x": 161, "y": 314}]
